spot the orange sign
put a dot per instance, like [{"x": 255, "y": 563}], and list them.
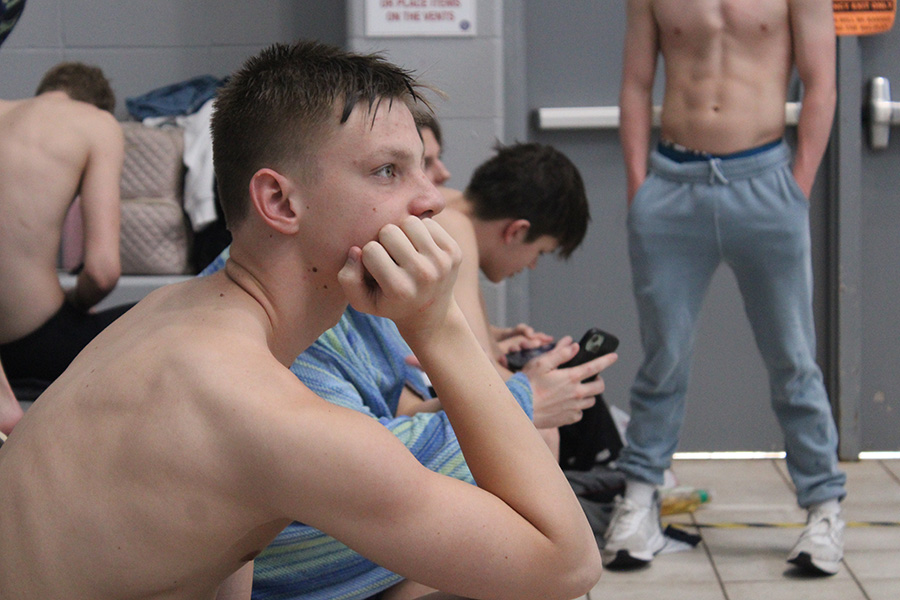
[{"x": 863, "y": 17}]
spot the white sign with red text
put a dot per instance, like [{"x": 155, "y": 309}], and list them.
[{"x": 412, "y": 18}]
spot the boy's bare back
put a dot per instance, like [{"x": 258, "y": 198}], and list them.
[
  {"x": 146, "y": 447},
  {"x": 51, "y": 149}
]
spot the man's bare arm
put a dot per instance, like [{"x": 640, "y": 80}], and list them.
[
  {"x": 812, "y": 32},
  {"x": 635, "y": 98},
  {"x": 101, "y": 209},
  {"x": 520, "y": 534},
  {"x": 364, "y": 488}
]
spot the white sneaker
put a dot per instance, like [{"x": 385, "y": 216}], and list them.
[
  {"x": 634, "y": 535},
  {"x": 821, "y": 545}
]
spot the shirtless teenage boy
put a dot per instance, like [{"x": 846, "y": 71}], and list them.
[
  {"x": 360, "y": 364},
  {"x": 526, "y": 201},
  {"x": 721, "y": 188},
  {"x": 178, "y": 444},
  {"x": 60, "y": 144}
]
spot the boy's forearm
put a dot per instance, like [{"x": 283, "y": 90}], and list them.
[
  {"x": 504, "y": 451},
  {"x": 87, "y": 292}
]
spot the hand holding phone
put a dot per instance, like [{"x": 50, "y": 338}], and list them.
[{"x": 594, "y": 343}]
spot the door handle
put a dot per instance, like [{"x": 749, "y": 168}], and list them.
[{"x": 882, "y": 113}]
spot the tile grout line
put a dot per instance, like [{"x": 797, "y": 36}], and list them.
[
  {"x": 709, "y": 557},
  {"x": 856, "y": 580},
  {"x": 890, "y": 473}
]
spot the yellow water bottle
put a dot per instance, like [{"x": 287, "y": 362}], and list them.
[{"x": 681, "y": 499}]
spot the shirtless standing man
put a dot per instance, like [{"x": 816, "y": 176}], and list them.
[
  {"x": 178, "y": 443},
  {"x": 721, "y": 188},
  {"x": 62, "y": 143}
]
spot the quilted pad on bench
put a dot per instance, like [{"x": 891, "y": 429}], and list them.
[{"x": 155, "y": 237}]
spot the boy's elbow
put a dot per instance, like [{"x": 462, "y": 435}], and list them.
[
  {"x": 572, "y": 570},
  {"x": 107, "y": 279},
  {"x": 580, "y": 564},
  {"x": 577, "y": 576},
  {"x": 587, "y": 573},
  {"x": 103, "y": 275}
]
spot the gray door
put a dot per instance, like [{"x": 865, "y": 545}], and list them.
[
  {"x": 572, "y": 57},
  {"x": 879, "y": 251}
]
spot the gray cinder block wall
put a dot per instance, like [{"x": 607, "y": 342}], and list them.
[{"x": 142, "y": 45}]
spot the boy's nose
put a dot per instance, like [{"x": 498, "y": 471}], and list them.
[{"x": 431, "y": 201}]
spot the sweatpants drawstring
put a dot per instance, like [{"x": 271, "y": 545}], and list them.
[{"x": 715, "y": 172}]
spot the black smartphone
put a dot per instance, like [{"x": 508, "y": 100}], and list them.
[{"x": 595, "y": 342}]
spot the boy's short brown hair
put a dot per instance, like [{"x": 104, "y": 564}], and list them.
[
  {"x": 274, "y": 111},
  {"x": 81, "y": 82}
]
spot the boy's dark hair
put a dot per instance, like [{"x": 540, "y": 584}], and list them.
[
  {"x": 274, "y": 111},
  {"x": 81, "y": 82},
  {"x": 534, "y": 182},
  {"x": 425, "y": 119}
]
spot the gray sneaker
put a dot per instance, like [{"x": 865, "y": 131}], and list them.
[
  {"x": 634, "y": 535},
  {"x": 821, "y": 545}
]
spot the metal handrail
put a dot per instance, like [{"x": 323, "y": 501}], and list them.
[{"x": 607, "y": 117}]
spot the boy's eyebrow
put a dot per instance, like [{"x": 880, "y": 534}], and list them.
[{"x": 397, "y": 153}]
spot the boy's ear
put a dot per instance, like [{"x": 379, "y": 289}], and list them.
[
  {"x": 271, "y": 194},
  {"x": 516, "y": 230}
]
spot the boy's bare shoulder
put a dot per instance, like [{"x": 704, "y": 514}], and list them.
[
  {"x": 216, "y": 340},
  {"x": 209, "y": 340},
  {"x": 453, "y": 219}
]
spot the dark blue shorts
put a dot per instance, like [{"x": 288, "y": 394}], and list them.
[{"x": 47, "y": 351}]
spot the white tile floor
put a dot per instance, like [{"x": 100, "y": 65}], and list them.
[{"x": 739, "y": 562}]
